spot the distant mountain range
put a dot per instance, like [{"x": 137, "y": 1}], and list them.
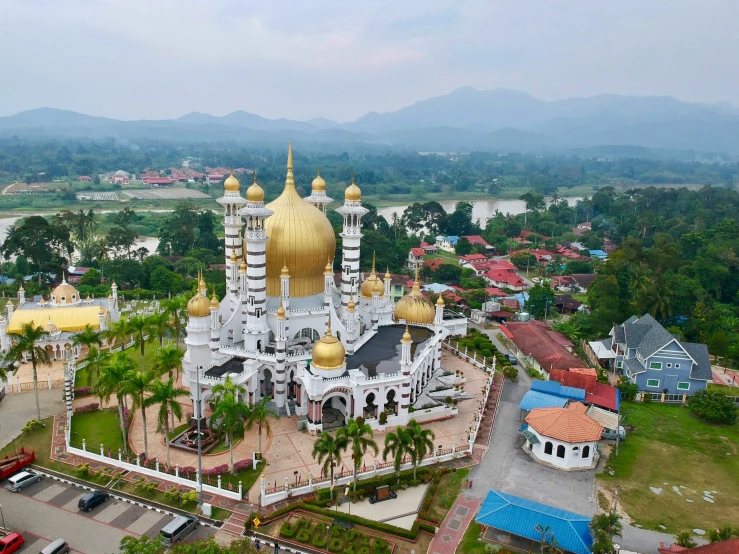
[{"x": 463, "y": 120}]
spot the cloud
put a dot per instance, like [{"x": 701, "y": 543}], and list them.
[{"x": 340, "y": 59}]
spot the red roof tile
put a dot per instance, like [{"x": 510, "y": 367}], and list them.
[
  {"x": 547, "y": 347},
  {"x": 418, "y": 252},
  {"x": 723, "y": 547},
  {"x": 565, "y": 424}
]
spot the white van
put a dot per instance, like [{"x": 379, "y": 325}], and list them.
[{"x": 178, "y": 529}]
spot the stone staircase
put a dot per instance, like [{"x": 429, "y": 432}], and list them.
[{"x": 282, "y": 412}]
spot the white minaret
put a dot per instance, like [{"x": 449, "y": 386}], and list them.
[
  {"x": 232, "y": 223},
  {"x": 101, "y": 320},
  {"x": 280, "y": 356},
  {"x": 4, "y": 338},
  {"x": 232, "y": 278},
  {"x": 388, "y": 284},
  {"x": 375, "y": 311},
  {"x": 352, "y": 327},
  {"x": 256, "y": 331},
  {"x": 351, "y": 235},
  {"x": 328, "y": 285},
  {"x": 115, "y": 313},
  {"x": 198, "y": 334},
  {"x": 405, "y": 369},
  {"x": 439, "y": 315},
  {"x": 318, "y": 194},
  {"x": 9, "y": 308},
  {"x": 285, "y": 286},
  {"x": 21, "y": 296},
  {"x": 215, "y": 323}
]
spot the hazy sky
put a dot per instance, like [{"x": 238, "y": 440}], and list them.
[{"x": 340, "y": 59}]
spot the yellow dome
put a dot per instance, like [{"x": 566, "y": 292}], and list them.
[
  {"x": 440, "y": 301},
  {"x": 368, "y": 285},
  {"x": 299, "y": 235},
  {"x": 214, "y": 300},
  {"x": 387, "y": 275},
  {"x": 318, "y": 183},
  {"x": 198, "y": 306},
  {"x": 281, "y": 311},
  {"x": 231, "y": 184},
  {"x": 414, "y": 307},
  {"x": 329, "y": 269},
  {"x": 406, "y": 336},
  {"x": 351, "y": 306},
  {"x": 328, "y": 353},
  {"x": 65, "y": 294},
  {"x": 255, "y": 193},
  {"x": 234, "y": 258},
  {"x": 353, "y": 192},
  {"x": 242, "y": 266},
  {"x": 50, "y": 327}
]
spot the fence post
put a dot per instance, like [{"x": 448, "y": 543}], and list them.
[
  {"x": 177, "y": 471},
  {"x": 48, "y": 379},
  {"x": 310, "y": 480},
  {"x": 102, "y": 450},
  {"x": 219, "y": 481},
  {"x": 84, "y": 445},
  {"x": 138, "y": 461},
  {"x": 120, "y": 456},
  {"x": 241, "y": 490},
  {"x": 157, "y": 465}
]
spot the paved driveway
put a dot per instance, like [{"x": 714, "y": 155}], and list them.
[{"x": 18, "y": 408}]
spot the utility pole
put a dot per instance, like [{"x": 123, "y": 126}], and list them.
[{"x": 200, "y": 450}]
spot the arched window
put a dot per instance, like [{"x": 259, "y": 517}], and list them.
[
  {"x": 308, "y": 333},
  {"x": 560, "y": 451},
  {"x": 586, "y": 452},
  {"x": 548, "y": 448},
  {"x": 576, "y": 450}
]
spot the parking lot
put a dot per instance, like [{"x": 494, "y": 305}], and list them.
[{"x": 46, "y": 511}]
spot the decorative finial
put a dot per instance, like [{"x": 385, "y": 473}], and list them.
[
  {"x": 289, "y": 155},
  {"x": 353, "y": 176},
  {"x": 328, "y": 326},
  {"x": 374, "y": 259},
  {"x": 319, "y": 171},
  {"x": 232, "y": 171},
  {"x": 255, "y": 177},
  {"x": 64, "y": 277}
]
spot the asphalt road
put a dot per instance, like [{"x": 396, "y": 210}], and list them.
[
  {"x": 17, "y": 409},
  {"x": 47, "y": 511}
]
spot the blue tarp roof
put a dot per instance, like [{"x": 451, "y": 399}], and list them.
[
  {"x": 598, "y": 253},
  {"x": 535, "y": 399},
  {"x": 555, "y": 388},
  {"x": 520, "y": 516}
]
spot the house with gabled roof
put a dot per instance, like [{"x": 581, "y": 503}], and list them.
[{"x": 657, "y": 361}]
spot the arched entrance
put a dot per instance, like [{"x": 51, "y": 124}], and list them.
[
  {"x": 370, "y": 406},
  {"x": 334, "y": 411},
  {"x": 266, "y": 386},
  {"x": 391, "y": 402}
]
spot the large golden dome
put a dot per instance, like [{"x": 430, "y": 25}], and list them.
[
  {"x": 372, "y": 283},
  {"x": 328, "y": 353},
  {"x": 231, "y": 184},
  {"x": 414, "y": 307},
  {"x": 198, "y": 306},
  {"x": 300, "y": 236}
]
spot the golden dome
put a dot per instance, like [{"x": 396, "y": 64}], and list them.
[
  {"x": 214, "y": 300},
  {"x": 407, "y": 339},
  {"x": 318, "y": 183},
  {"x": 368, "y": 285},
  {"x": 328, "y": 353},
  {"x": 378, "y": 287},
  {"x": 329, "y": 269},
  {"x": 202, "y": 287},
  {"x": 300, "y": 236},
  {"x": 255, "y": 193},
  {"x": 231, "y": 184},
  {"x": 414, "y": 307},
  {"x": 440, "y": 301},
  {"x": 351, "y": 306},
  {"x": 281, "y": 311},
  {"x": 387, "y": 275},
  {"x": 242, "y": 266},
  {"x": 8, "y": 303},
  {"x": 50, "y": 327},
  {"x": 66, "y": 291},
  {"x": 353, "y": 192},
  {"x": 234, "y": 258},
  {"x": 198, "y": 306}
]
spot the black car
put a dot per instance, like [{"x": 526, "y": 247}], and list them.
[
  {"x": 90, "y": 500},
  {"x": 512, "y": 359}
]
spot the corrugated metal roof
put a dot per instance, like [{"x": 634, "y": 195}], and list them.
[
  {"x": 521, "y": 517},
  {"x": 555, "y": 388},
  {"x": 67, "y": 318},
  {"x": 535, "y": 399},
  {"x": 607, "y": 419}
]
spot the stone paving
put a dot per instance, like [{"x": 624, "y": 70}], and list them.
[{"x": 455, "y": 525}]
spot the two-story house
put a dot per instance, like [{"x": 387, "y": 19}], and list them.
[
  {"x": 657, "y": 361},
  {"x": 415, "y": 259}
]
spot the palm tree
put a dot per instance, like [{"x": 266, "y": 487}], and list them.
[
  {"x": 176, "y": 307},
  {"x": 605, "y": 527},
  {"x": 259, "y": 416},
  {"x": 359, "y": 435},
  {"x": 165, "y": 394},
  {"x": 545, "y": 535},
  {"x": 685, "y": 539},
  {"x": 137, "y": 383},
  {"x": 118, "y": 332},
  {"x": 327, "y": 451},
  {"x": 227, "y": 387},
  {"x": 139, "y": 327},
  {"x": 95, "y": 361},
  {"x": 158, "y": 325},
  {"x": 24, "y": 345},
  {"x": 230, "y": 414},
  {"x": 169, "y": 360},
  {"x": 721, "y": 534},
  {"x": 111, "y": 382},
  {"x": 88, "y": 337},
  {"x": 422, "y": 441},
  {"x": 397, "y": 445}
]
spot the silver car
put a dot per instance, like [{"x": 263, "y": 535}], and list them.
[{"x": 22, "y": 480}]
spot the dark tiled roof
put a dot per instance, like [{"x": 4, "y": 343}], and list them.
[
  {"x": 635, "y": 366},
  {"x": 647, "y": 335},
  {"x": 702, "y": 367},
  {"x": 584, "y": 279},
  {"x": 619, "y": 335}
]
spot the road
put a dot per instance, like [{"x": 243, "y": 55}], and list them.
[
  {"x": 18, "y": 408},
  {"x": 47, "y": 511}
]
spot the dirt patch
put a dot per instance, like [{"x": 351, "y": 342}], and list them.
[
  {"x": 733, "y": 447},
  {"x": 607, "y": 502}
]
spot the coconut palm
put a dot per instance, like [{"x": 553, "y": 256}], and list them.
[
  {"x": 140, "y": 327},
  {"x": 137, "y": 384},
  {"x": 422, "y": 442},
  {"x": 158, "y": 325},
  {"x": 95, "y": 360},
  {"x": 685, "y": 539},
  {"x": 169, "y": 360},
  {"x": 111, "y": 382},
  {"x": 227, "y": 387},
  {"x": 228, "y": 416},
  {"x": 176, "y": 309},
  {"x": 721, "y": 534},
  {"x": 605, "y": 527},
  {"x": 117, "y": 332},
  {"x": 359, "y": 436},
  {"x": 165, "y": 394},
  {"x": 327, "y": 452},
  {"x": 397, "y": 445},
  {"x": 88, "y": 337},
  {"x": 24, "y": 345},
  {"x": 260, "y": 415}
]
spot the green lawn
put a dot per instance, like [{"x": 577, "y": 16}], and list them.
[
  {"x": 470, "y": 543},
  {"x": 447, "y": 492},
  {"x": 97, "y": 428},
  {"x": 670, "y": 448}
]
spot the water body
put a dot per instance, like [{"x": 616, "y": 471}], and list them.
[{"x": 481, "y": 209}]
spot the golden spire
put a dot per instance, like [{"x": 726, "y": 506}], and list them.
[
  {"x": 281, "y": 311},
  {"x": 64, "y": 277},
  {"x": 328, "y": 326},
  {"x": 387, "y": 273},
  {"x": 351, "y": 306},
  {"x": 214, "y": 300},
  {"x": 328, "y": 270},
  {"x": 374, "y": 260},
  {"x": 289, "y": 179},
  {"x": 406, "y": 336},
  {"x": 416, "y": 285},
  {"x": 285, "y": 272}
]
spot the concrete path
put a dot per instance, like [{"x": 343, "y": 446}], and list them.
[
  {"x": 18, "y": 409},
  {"x": 455, "y": 524},
  {"x": 390, "y": 511}
]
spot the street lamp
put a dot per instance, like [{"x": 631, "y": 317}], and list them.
[
  {"x": 328, "y": 528},
  {"x": 198, "y": 414}
]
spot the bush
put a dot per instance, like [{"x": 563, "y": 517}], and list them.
[
  {"x": 713, "y": 406},
  {"x": 627, "y": 388},
  {"x": 94, "y": 407},
  {"x": 32, "y": 426},
  {"x": 486, "y": 353},
  {"x": 243, "y": 464},
  {"x": 511, "y": 373},
  {"x": 223, "y": 468},
  {"x": 82, "y": 470},
  {"x": 82, "y": 391},
  {"x": 492, "y": 548},
  {"x": 383, "y": 418}
]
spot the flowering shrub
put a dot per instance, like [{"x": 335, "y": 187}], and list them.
[
  {"x": 88, "y": 408},
  {"x": 243, "y": 464},
  {"x": 187, "y": 470},
  {"x": 223, "y": 468},
  {"x": 83, "y": 391}
]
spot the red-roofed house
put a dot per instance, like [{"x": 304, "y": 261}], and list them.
[
  {"x": 582, "y": 228},
  {"x": 546, "y": 349},
  {"x": 527, "y": 234},
  {"x": 505, "y": 280},
  {"x": 467, "y": 258},
  {"x": 429, "y": 248},
  {"x": 493, "y": 291},
  {"x": 542, "y": 256},
  {"x": 158, "y": 181},
  {"x": 434, "y": 264},
  {"x": 415, "y": 258},
  {"x": 214, "y": 178},
  {"x": 730, "y": 546},
  {"x": 483, "y": 266},
  {"x": 477, "y": 239},
  {"x": 84, "y": 178}
]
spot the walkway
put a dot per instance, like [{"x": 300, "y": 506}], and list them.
[{"x": 455, "y": 525}]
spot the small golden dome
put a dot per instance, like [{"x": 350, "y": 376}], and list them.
[
  {"x": 8, "y": 303},
  {"x": 407, "y": 339},
  {"x": 202, "y": 287},
  {"x": 67, "y": 291},
  {"x": 378, "y": 287},
  {"x": 353, "y": 193},
  {"x": 50, "y": 327},
  {"x": 21, "y": 289},
  {"x": 198, "y": 306},
  {"x": 234, "y": 258},
  {"x": 440, "y": 301},
  {"x": 231, "y": 184},
  {"x": 368, "y": 286},
  {"x": 328, "y": 353},
  {"x": 284, "y": 272},
  {"x": 414, "y": 307},
  {"x": 67, "y": 346},
  {"x": 387, "y": 274},
  {"x": 110, "y": 297},
  {"x": 255, "y": 193},
  {"x": 329, "y": 269},
  {"x": 242, "y": 266},
  {"x": 214, "y": 300},
  {"x": 351, "y": 306},
  {"x": 100, "y": 311},
  {"x": 318, "y": 183},
  {"x": 281, "y": 311}
]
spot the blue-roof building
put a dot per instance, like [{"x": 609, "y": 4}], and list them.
[
  {"x": 555, "y": 388},
  {"x": 535, "y": 399},
  {"x": 447, "y": 243},
  {"x": 520, "y": 517},
  {"x": 600, "y": 254}
]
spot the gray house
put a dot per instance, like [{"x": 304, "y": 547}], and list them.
[{"x": 657, "y": 361}]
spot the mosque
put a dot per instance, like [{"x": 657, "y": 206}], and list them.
[{"x": 322, "y": 347}]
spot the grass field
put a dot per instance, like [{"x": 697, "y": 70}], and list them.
[
  {"x": 447, "y": 492},
  {"x": 670, "y": 448},
  {"x": 97, "y": 428},
  {"x": 470, "y": 544}
]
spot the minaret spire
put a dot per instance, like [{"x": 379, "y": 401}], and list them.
[{"x": 289, "y": 179}]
